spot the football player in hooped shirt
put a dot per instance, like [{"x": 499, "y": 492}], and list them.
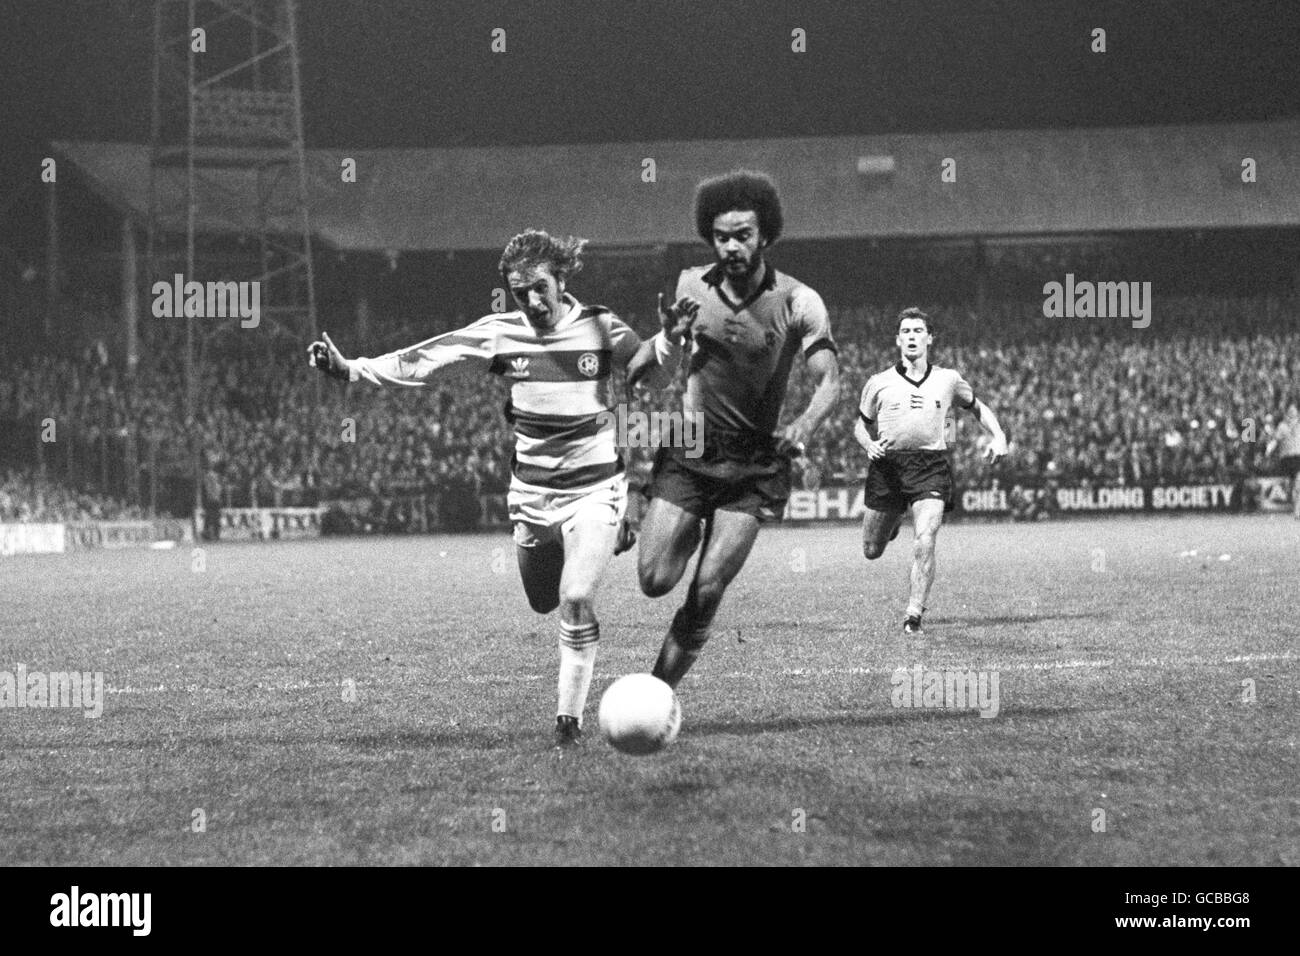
[
  {"x": 901, "y": 425},
  {"x": 750, "y": 322},
  {"x": 568, "y": 492}
]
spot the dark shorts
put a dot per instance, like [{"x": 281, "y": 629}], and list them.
[
  {"x": 901, "y": 478},
  {"x": 1291, "y": 466},
  {"x": 745, "y": 475}
]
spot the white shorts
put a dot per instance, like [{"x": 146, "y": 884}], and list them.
[{"x": 541, "y": 514}]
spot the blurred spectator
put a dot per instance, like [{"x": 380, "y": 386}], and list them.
[
  {"x": 212, "y": 498},
  {"x": 32, "y": 498}
]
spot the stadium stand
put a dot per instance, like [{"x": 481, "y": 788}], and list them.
[
  {"x": 1116, "y": 408},
  {"x": 411, "y": 252}
]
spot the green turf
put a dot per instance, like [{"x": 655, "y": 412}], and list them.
[{"x": 228, "y": 686}]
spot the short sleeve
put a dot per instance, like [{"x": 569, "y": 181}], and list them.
[
  {"x": 869, "y": 407},
  {"x": 812, "y": 321},
  {"x": 683, "y": 280},
  {"x": 963, "y": 396}
]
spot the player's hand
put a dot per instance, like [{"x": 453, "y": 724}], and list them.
[
  {"x": 793, "y": 443},
  {"x": 795, "y": 438},
  {"x": 876, "y": 450},
  {"x": 325, "y": 356},
  {"x": 678, "y": 318},
  {"x": 626, "y": 538},
  {"x": 996, "y": 451}
]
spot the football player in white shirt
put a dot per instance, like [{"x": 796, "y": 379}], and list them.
[
  {"x": 901, "y": 425},
  {"x": 568, "y": 492}
]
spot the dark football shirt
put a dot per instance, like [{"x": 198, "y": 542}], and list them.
[{"x": 742, "y": 352}]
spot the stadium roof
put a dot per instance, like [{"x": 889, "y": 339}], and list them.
[{"x": 1009, "y": 183}]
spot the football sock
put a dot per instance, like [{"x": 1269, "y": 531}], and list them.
[
  {"x": 681, "y": 647},
  {"x": 577, "y": 661}
]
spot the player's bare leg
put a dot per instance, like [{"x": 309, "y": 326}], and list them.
[
  {"x": 878, "y": 529},
  {"x": 728, "y": 539},
  {"x": 927, "y": 516},
  {"x": 669, "y": 536},
  {"x": 588, "y": 548},
  {"x": 1295, "y": 496},
  {"x": 540, "y": 567}
]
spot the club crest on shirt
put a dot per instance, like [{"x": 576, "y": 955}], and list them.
[
  {"x": 588, "y": 364},
  {"x": 519, "y": 367}
]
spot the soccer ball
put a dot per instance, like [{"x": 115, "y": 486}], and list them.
[{"x": 639, "y": 714}]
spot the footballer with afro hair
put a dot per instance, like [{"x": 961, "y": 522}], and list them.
[
  {"x": 749, "y": 322},
  {"x": 744, "y": 190}
]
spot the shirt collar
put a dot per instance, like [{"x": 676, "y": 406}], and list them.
[
  {"x": 901, "y": 369},
  {"x": 573, "y": 304},
  {"x": 714, "y": 277},
  {"x": 573, "y": 308}
]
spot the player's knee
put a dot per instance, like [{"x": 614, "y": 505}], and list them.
[
  {"x": 924, "y": 543},
  {"x": 656, "y": 580},
  {"x": 578, "y": 602},
  {"x": 708, "y": 595}
]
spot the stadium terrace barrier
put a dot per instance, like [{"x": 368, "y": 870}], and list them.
[
  {"x": 115, "y": 535},
  {"x": 1034, "y": 502},
  {"x": 415, "y": 514},
  {"x": 59, "y": 537},
  {"x": 1078, "y": 499},
  {"x": 31, "y": 538},
  {"x": 267, "y": 524},
  {"x": 839, "y": 502}
]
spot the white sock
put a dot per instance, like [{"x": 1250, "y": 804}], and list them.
[{"x": 577, "y": 661}]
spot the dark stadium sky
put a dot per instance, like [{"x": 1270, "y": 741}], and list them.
[{"x": 420, "y": 72}]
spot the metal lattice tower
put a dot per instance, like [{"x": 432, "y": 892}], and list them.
[{"x": 228, "y": 176}]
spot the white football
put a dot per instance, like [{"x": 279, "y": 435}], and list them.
[{"x": 639, "y": 714}]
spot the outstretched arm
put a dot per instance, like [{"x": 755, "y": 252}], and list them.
[{"x": 414, "y": 366}]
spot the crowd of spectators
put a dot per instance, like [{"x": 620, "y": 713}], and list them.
[
  {"x": 1080, "y": 401},
  {"x": 26, "y": 497},
  {"x": 1107, "y": 410}
]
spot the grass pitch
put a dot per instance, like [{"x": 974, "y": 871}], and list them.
[{"x": 230, "y": 733}]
